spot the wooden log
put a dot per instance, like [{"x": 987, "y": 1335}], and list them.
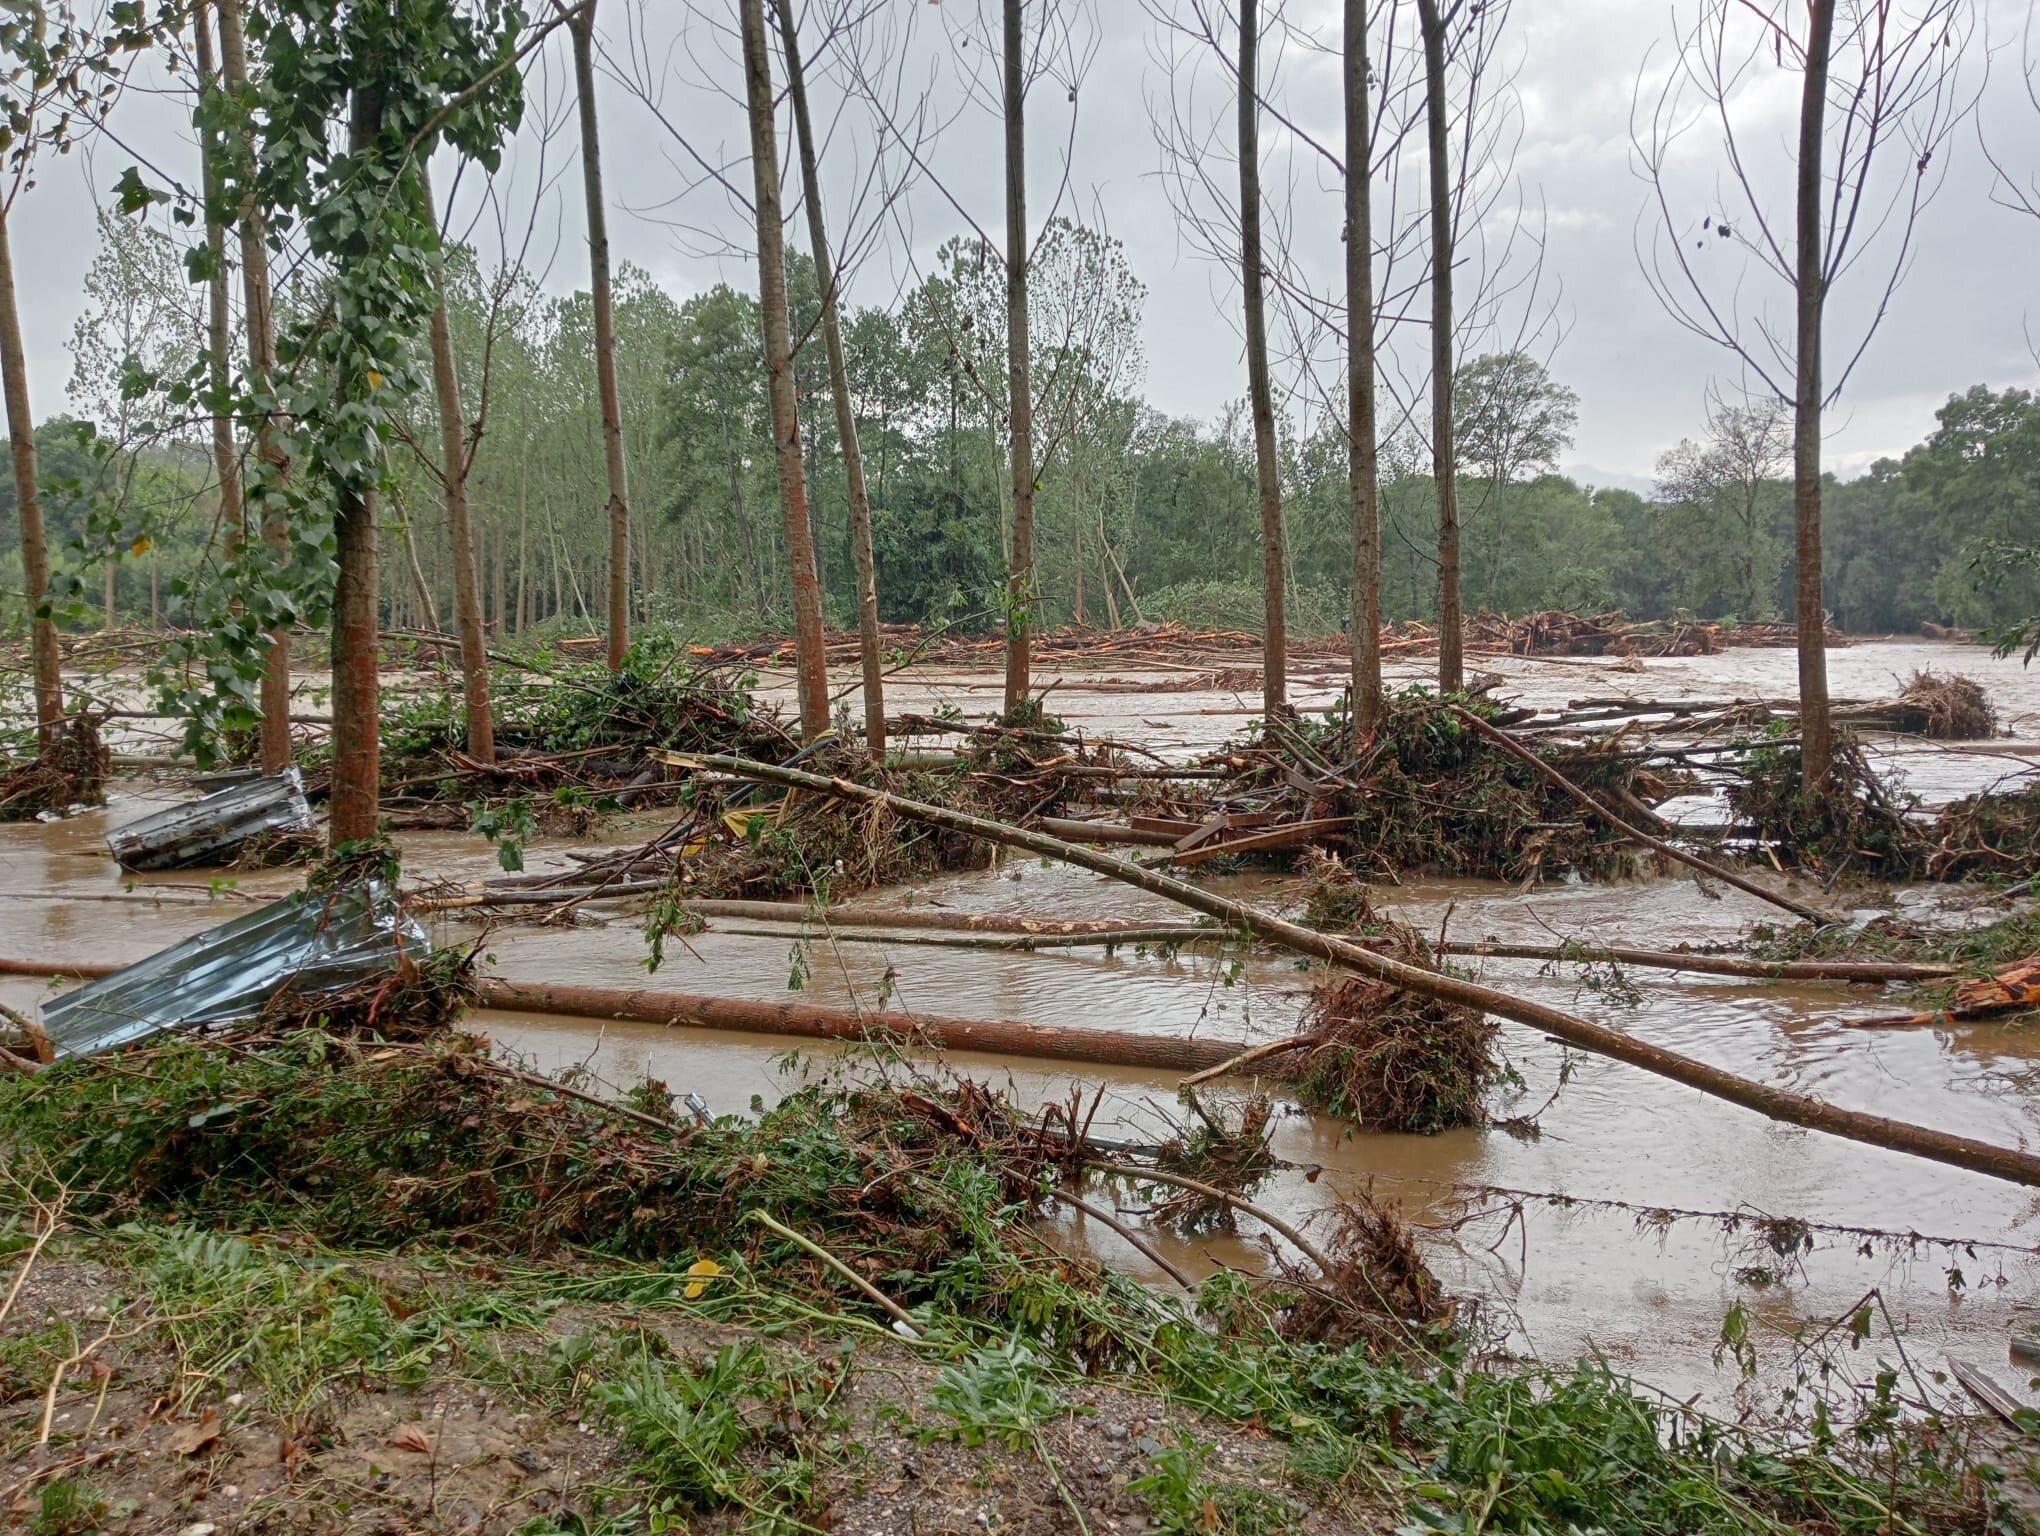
[
  {"x": 1106, "y": 832},
  {"x": 2011, "y": 1164},
  {"x": 644, "y": 1005},
  {"x": 1711, "y": 965}
]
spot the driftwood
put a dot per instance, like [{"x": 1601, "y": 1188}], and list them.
[
  {"x": 1998, "y": 1162},
  {"x": 1050, "y": 1042},
  {"x": 1710, "y": 965},
  {"x": 1635, "y": 834}
]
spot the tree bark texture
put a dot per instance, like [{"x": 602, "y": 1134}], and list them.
[
  {"x": 812, "y": 673},
  {"x": 863, "y": 560},
  {"x": 1260, "y": 394},
  {"x": 1362, "y": 465},
  {"x": 583, "y": 29},
  {"x": 1444, "y": 455},
  {"x": 1020, "y": 401},
  {"x": 357, "y": 742},
  {"x": 35, "y": 556},
  {"x": 1816, "y": 729},
  {"x": 260, "y": 320},
  {"x": 467, "y": 587}
]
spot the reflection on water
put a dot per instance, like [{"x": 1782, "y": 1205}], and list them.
[{"x": 1649, "y": 1297}]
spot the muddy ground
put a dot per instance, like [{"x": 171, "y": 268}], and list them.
[{"x": 501, "y": 1434}]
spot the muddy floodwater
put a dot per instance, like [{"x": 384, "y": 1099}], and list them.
[{"x": 1645, "y": 1291}]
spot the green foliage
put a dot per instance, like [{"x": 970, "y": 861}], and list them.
[
  {"x": 1183, "y": 1499},
  {"x": 739, "y": 1429},
  {"x": 996, "y": 1394}
]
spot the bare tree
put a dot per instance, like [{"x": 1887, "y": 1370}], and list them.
[
  {"x": 1714, "y": 498},
  {"x": 1363, "y": 467},
  {"x": 456, "y": 457},
  {"x": 1878, "y": 96},
  {"x": 59, "y": 82},
  {"x": 1260, "y": 393},
  {"x": 582, "y": 25},
  {"x": 839, "y": 387},
  {"x": 259, "y": 320},
  {"x": 226, "y": 456},
  {"x": 1020, "y": 399},
  {"x": 1444, "y": 464},
  {"x": 809, "y": 664}
]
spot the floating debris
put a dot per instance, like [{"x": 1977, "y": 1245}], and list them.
[
  {"x": 211, "y": 829},
  {"x": 307, "y": 946}
]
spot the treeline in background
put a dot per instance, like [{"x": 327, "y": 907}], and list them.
[{"x": 1140, "y": 516}]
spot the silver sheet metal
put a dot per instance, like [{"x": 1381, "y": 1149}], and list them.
[
  {"x": 208, "y": 830},
  {"x": 307, "y": 943}
]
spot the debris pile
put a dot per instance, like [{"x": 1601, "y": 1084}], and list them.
[{"x": 70, "y": 771}]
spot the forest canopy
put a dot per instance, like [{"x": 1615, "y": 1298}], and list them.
[{"x": 1140, "y": 515}]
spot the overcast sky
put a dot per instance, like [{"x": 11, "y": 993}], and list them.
[{"x": 1963, "y": 316}]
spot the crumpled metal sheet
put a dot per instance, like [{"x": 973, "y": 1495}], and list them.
[
  {"x": 305, "y": 944},
  {"x": 208, "y": 829}
]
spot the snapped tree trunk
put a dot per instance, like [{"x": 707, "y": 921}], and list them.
[
  {"x": 1362, "y": 465},
  {"x": 1260, "y": 395},
  {"x": 35, "y": 556},
  {"x": 1020, "y": 403},
  {"x": 357, "y": 765},
  {"x": 863, "y": 562},
  {"x": 454, "y": 462},
  {"x": 1444, "y": 457},
  {"x": 809, "y": 666},
  {"x": 260, "y": 320},
  {"x": 1816, "y": 729},
  {"x": 583, "y": 29}
]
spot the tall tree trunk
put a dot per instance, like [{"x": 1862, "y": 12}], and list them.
[
  {"x": 864, "y": 566},
  {"x": 260, "y": 320},
  {"x": 357, "y": 765},
  {"x": 1444, "y": 456},
  {"x": 523, "y": 549},
  {"x": 454, "y": 463},
  {"x": 1260, "y": 394},
  {"x": 35, "y": 557},
  {"x": 1020, "y": 581},
  {"x": 1362, "y": 468},
  {"x": 421, "y": 588},
  {"x": 809, "y": 665},
  {"x": 219, "y": 320},
  {"x": 1816, "y": 728},
  {"x": 583, "y": 29}
]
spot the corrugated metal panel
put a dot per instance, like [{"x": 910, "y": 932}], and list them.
[
  {"x": 305, "y": 944},
  {"x": 207, "y": 830}
]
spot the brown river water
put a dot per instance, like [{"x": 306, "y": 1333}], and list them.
[{"x": 1647, "y": 1294}]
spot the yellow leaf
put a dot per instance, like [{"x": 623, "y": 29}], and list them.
[
  {"x": 375, "y": 380},
  {"x": 140, "y": 546},
  {"x": 704, "y": 1270}
]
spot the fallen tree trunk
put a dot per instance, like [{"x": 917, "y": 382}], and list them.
[
  {"x": 1712, "y": 965},
  {"x": 642, "y": 1005},
  {"x": 1657, "y": 844},
  {"x": 1777, "y": 1103}
]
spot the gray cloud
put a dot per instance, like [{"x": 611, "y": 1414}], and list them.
[{"x": 1962, "y": 317}]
